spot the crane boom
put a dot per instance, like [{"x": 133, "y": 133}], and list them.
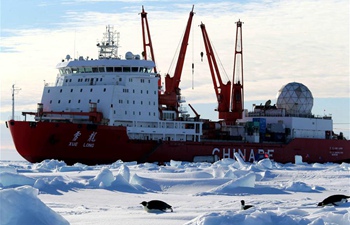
[
  {"x": 146, "y": 34},
  {"x": 222, "y": 90},
  {"x": 171, "y": 94},
  {"x": 173, "y": 82},
  {"x": 230, "y": 102}
]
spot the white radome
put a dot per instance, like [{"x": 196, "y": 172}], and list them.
[{"x": 296, "y": 98}]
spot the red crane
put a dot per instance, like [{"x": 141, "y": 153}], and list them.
[
  {"x": 222, "y": 90},
  {"x": 237, "y": 89},
  {"x": 171, "y": 95},
  {"x": 146, "y": 35},
  {"x": 230, "y": 101}
]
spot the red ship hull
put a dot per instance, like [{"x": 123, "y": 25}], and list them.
[{"x": 100, "y": 144}]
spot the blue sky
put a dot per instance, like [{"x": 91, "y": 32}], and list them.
[
  {"x": 22, "y": 14},
  {"x": 283, "y": 41}
]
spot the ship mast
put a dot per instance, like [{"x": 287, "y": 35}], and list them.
[
  {"x": 108, "y": 47},
  {"x": 13, "y": 100}
]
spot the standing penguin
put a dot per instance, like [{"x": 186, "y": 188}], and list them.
[
  {"x": 244, "y": 206},
  {"x": 156, "y": 205},
  {"x": 334, "y": 200}
]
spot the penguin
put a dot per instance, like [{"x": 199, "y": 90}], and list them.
[
  {"x": 156, "y": 205},
  {"x": 334, "y": 200},
  {"x": 244, "y": 206}
]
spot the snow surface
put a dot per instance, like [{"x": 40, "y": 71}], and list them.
[{"x": 52, "y": 192}]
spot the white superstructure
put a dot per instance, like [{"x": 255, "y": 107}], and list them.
[{"x": 125, "y": 91}]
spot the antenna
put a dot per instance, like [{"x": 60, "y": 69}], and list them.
[
  {"x": 192, "y": 59},
  {"x": 13, "y": 100},
  {"x": 75, "y": 35}
]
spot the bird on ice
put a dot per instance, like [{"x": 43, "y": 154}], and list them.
[
  {"x": 244, "y": 206},
  {"x": 334, "y": 200},
  {"x": 156, "y": 205}
]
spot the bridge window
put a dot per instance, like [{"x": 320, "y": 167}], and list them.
[
  {"x": 126, "y": 69},
  {"x": 109, "y": 69},
  {"x": 101, "y": 69},
  {"x": 88, "y": 70},
  {"x": 143, "y": 70},
  {"x": 94, "y": 69},
  {"x": 118, "y": 69},
  {"x": 134, "y": 69},
  {"x": 67, "y": 71}
]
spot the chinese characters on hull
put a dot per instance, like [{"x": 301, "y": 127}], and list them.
[{"x": 90, "y": 142}]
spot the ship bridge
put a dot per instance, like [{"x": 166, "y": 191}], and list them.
[{"x": 132, "y": 63}]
